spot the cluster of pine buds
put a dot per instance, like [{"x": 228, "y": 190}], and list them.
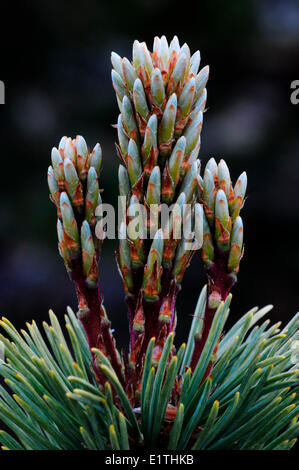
[
  {"x": 74, "y": 188},
  {"x": 223, "y": 226},
  {"x": 161, "y": 96}
]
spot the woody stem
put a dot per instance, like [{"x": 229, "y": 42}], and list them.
[{"x": 95, "y": 326}]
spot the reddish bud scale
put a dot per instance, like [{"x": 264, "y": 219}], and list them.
[
  {"x": 78, "y": 196},
  {"x": 185, "y": 261},
  {"x": 169, "y": 251},
  {"x": 141, "y": 124},
  {"x": 167, "y": 191},
  {"x": 152, "y": 285},
  {"x": 72, "y": 246},
  {"x": 137, "y": 189},
  {"x": 222, "y": 235},
  {"x": 151, "y": 161}
]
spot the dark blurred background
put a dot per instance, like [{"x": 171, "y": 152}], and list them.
[{"x": 55, "y": 62}]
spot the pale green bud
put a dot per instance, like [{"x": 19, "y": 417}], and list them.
[
  {"x": 128, "y": 73},
  {"x": 201, "y": 80},
  {"x": 96, "y": 158},
  {"x": 124, "y": 182},
  {"x": 209, "y": 194},
  {"x": 167, "y": 125},
  {"x": 157, "y": 88},
  {"x": 198, "y": 224},
  {"x": 154, "y": 187},
  {"x": 176, "y": 159},
  {"x": 221, "y": 208},
  {"x": 122, "y": 138},
  {"x": 150, "y": 137},
  {"x": 133, "y": 162},
  {"x": 212, "y": 166},
  {"x": 71, "y": 178},
  {"x": 156, "y": 251},
  {"x": 178, "y": 74},
  {"x": 57, "y": 164},
  {"x": 192, "y": 132},
  {"x": 118, "y": 85},
  {"x": 189, "y": 182},
  {"x": 128, "y": 119},
  {"x": 163, "y": 53},
  {"x": 147, "y": 60},
  {"x": 207, "y": 246},
  {"x": 53, "y": 186},
  {"x": 69, "y": 224},
  {"x": 174, "y": 46},
  {"x": 236, "y": 245},
  {"x": 92, "y": 194},
  {"x": 62, "y": 142},
  {"x": 194, "y": 63},
  {"x": 224, "y": 180},
  {"x": 186, "y": 98},
  {"x": 62, "y": 248},
  {"x": 116, "y": 63},
  {"x": 70, "y": 150},
  {"x": 239, "y": 191},
  {"x": 87, "y": 247},
  {"x": 140, "y": 99}
]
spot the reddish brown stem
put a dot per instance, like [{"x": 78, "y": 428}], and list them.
[
  {"x": 97, "y": 328},
  {"x": 220, "y": 282}
]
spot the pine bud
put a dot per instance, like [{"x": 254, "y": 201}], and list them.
[
  {"x": 57, "y": 163},
  {"x": 62, "y": 248},
  {"x": 192, "y": 132},
  {"x": 194, "y": 63},
  {"x": 128, "y": 120},
  {"x": 82, "y": 156},
  {"x": 69, "y": 225},
  {"x": 129, "y": 73},
  {"x": 70, "y": 150},
  {"x": 72, "y": 179},
  {"x": 118, "y": 85},
  {"x": 157, "y": 88},
  {"x": 154, "y": 187},
  {"x": 124, "y": 182},
  {"x": 201, "y": 80},
  {"x": 150, "y": 138},
  {"x": 133, "y": 162},
  {"x": 212, "y": 166},
  {"x": 125, "y": 260},
  {"x": 92, "y": 194},
  {"x": 116, "y": 62},
  {"x": 153, "y": 269},
  {"x": 53, "y": 187},
  {"x": 207, "y": 245},
  {"x": 209, "y": 194},
  {"x": 239, "y": 191},
  {"x": 198, "y": 225},
  {"x": 96, "y": 158},
  {"x": 222, "y": 220},
  {"x": 167, "y": 126},
  {"x": 122, "y": 138},
  {"x": 224, "y": 180},
  {"x": 178, "y": 74},
  {"x": 88, "y": 250},
  {"x": 236, "y": 245},
  {"x": 176, "y": 158},
  {"x": 140, "y": 99},
  {"x": 189, "y": 182},
  {"x": 186, "y": 98}
]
